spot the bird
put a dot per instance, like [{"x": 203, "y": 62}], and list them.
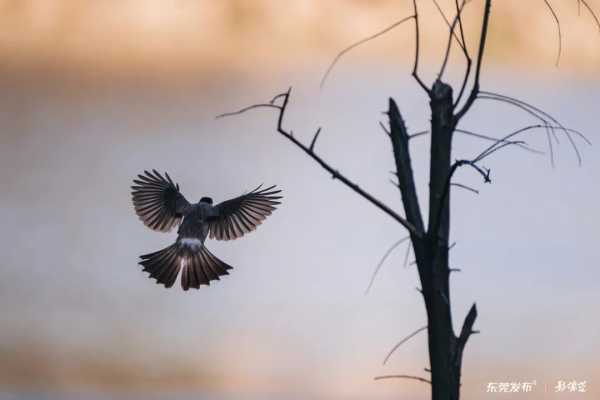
[{"x": 160, "y": 206}]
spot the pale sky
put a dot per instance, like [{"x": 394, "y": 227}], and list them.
[
  {"x": 292, "y": 318},
  {"x": 77, "y": 314}
]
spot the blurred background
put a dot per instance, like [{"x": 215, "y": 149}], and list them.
[{"x": 93, "y": 93}]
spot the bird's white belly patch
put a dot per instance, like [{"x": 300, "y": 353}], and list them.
[{"x": 191, "y": 242}]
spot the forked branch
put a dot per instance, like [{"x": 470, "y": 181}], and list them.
[{"x": 467, "y": 330}]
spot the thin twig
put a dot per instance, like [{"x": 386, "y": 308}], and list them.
[
  {"x": 451, "y": 24},
  {"x": 417, "y": 134},
  {"x": 549, "y": 130},
  {"x": 503, "y": 141},
  {"x": 585, "y": 4},
  {"x": 400, "y": 343},
  {"x": 314, "y": 140},
  {"x": 280, "y": 95},
  {"x": 558, "y": 28},
  {"x": 485, "y": 173},
  {"x": 416, "y": 378},
  {"x": 243, "y": 110},
  {"x": 384, "y": 128},
  {"x": 451, "y": 35},
  {"x": 543, "y": 116},
  {"x": 460, "y": 25},
  {"x": 542, "y": 112},
  {"x": 406, "y": 255},
  {"x": 347, "y": 49},
  {"x": 520, "y": 144},
  {"x": 460, "y": 185},
  {"x": 380, "y": 264},
  {"x": 482, "y": 39},
  {"x": 465, "y": 53},
  {"x": 415, "y": 72}
]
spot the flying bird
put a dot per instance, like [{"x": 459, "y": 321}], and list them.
[{"x": 160, "y": 206}]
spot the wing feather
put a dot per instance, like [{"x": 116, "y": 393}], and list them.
[
  {"x": 157, "y": 201},
  {"x": 243, "y": 214}
]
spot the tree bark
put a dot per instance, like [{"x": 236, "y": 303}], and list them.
[
  {"x": 444, "y": 377},
  {"x": 431, "y": 248}
]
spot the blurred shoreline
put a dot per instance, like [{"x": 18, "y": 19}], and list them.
[{"x": 187, "y": 42}]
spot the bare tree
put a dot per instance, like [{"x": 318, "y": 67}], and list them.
[{"x": 430, "y": 241}]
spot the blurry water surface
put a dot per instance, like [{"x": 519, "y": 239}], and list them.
[{"x": 79, "y": 319}]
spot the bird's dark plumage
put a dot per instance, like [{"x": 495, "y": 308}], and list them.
[
  {"x": 157, "y": 201},
  {"x": 161, "y": 207},
  {"x": 243, "y": 214}
]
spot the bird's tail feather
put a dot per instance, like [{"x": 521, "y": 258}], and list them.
[
  {"x": 163, "y": 265},
  {"x": 199, "y": 267}
]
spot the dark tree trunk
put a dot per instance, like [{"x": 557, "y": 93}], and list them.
[
  {"x": 444, "y": 377},
  {"x": 431, "y": 247}
]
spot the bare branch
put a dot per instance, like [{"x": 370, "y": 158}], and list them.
[
  {"x": 491, "y": 151},
  {"x": 548, "y": 120},
  {"x": 485, "y": 173},
  {"x": 460, "y": 185},
  {"x": 415, "y": 72},
  {"x": 558, "y": 28},
  {"x": 406, "y": 183},
  {"x": 542, "y": 112},
  {"x": 274, "y": 99},
  {"x": 467, "y": 328},
  {"x": 380, "y": 264},
  {"x": 450, "y": 36},
  {"x": 585, "y": 4},
  {"x": 451, "y": 25},
  {"x": 519, "y": 144},
  {"x": 417, "y": 134},
  {"x": 475, "y": 89},
  {"x": 406, "y": 255},
  {"x": 243, "y": 110},
  {"x": 416, "y": 378},
  {"x": 384, "y": 128},
  {"x": 334, "y": 172},
  {"x": 347, "y": 49},
  {"x": 465, "y": 53},
  {"x": 460, "y": 25},
  {"x": 400, "y": 343},
  {"x": 547, "y": 126},
  {"x": 314, "y": 140}
]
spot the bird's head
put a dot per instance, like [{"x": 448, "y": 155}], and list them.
[{"x": 206, "y": 200}]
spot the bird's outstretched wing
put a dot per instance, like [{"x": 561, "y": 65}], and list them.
[
  {"x": 243, "y": 214},
  {"x": 157, "y": 201}
]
